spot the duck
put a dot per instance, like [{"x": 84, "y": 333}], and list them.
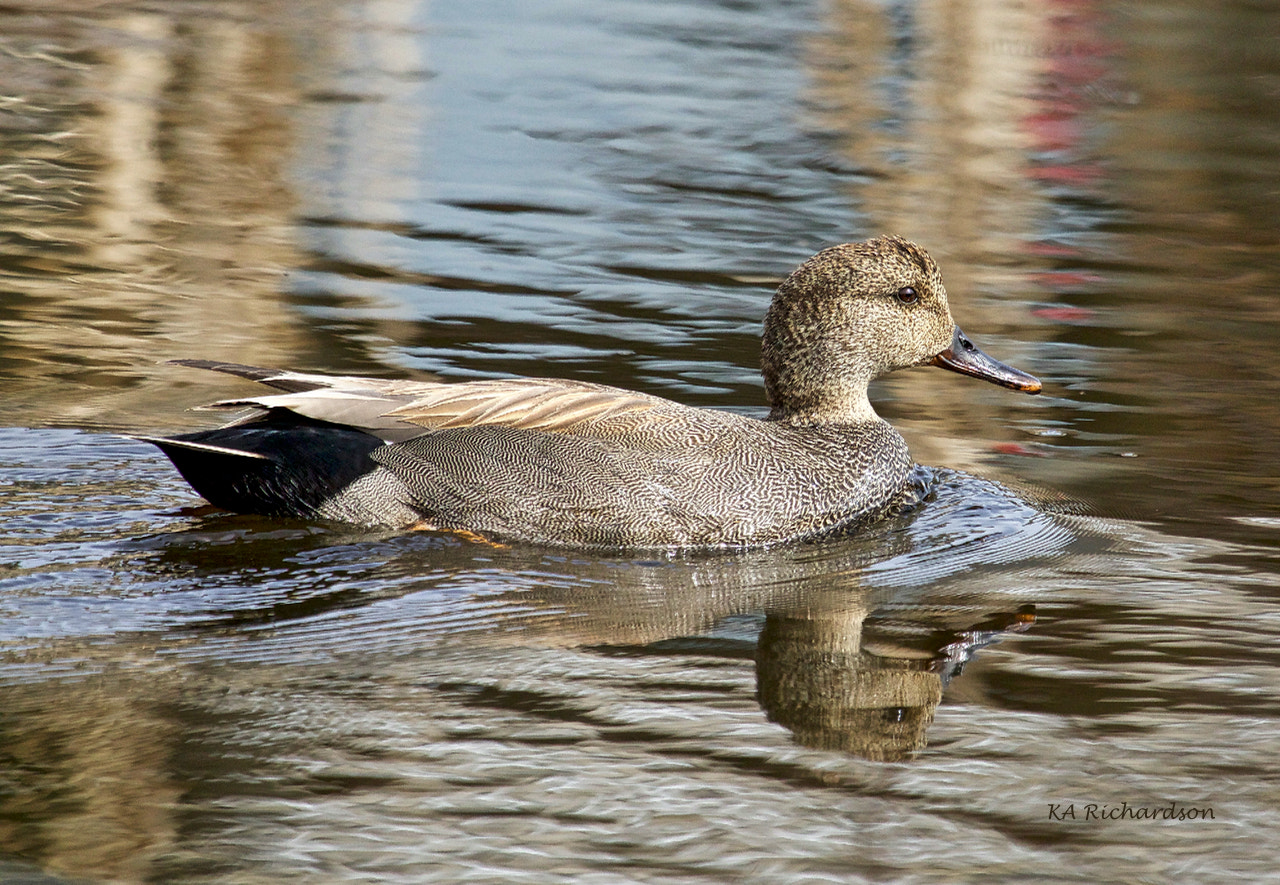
[{"x": 583, "y": 465}]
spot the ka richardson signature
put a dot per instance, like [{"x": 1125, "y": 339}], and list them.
[{"x": 1096, "y": 811}]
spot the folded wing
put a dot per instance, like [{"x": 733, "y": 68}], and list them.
[{"x": 397, "y": 410}]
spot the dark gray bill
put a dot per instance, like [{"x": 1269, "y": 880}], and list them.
[{"x": 963, "y": 356}]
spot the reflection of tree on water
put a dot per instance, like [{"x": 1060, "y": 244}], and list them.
[{"x": 842, "y": 678}]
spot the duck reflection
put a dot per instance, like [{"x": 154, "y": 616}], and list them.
[
  {"x": 840, "y": 677},
  {"x": 841, "y": 667}
]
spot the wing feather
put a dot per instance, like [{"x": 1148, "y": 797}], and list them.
[
  {"x": 396, "y": 410},
  {"x": 531, "y": 403}
]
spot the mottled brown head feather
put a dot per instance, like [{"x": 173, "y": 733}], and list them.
[{"x": 837, "y": 323}]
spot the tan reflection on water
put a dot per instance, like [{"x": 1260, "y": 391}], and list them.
[
  {"x": 148, "y": 209},
  {"x": 92, "y": 792},
  {"x": 939, "y": 124}
]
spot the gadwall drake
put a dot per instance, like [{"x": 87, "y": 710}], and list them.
[{"x": 585, "y": 465}]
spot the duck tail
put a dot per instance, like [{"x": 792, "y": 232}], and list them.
[{"x": 274, "y": 468}]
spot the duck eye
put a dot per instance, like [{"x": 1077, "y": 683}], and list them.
[{"x": 907, "y": 295}]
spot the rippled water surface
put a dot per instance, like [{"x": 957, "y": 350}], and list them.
[{"x": 1076, "y": 633}]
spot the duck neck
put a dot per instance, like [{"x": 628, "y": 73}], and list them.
[
  {"x": 849, "y": 406},
  {"x": 814, "y": 372}
]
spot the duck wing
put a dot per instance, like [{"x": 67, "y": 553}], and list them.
[{"x": 398, "y": 410}]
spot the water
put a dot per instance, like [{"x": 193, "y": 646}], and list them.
[{"x": 1076, "y": 631}]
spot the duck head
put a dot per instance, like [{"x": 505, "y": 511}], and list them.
[{"x": 854, "y": 312}]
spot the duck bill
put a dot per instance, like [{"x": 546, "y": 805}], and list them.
[{"x": 963, "y": 356}]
